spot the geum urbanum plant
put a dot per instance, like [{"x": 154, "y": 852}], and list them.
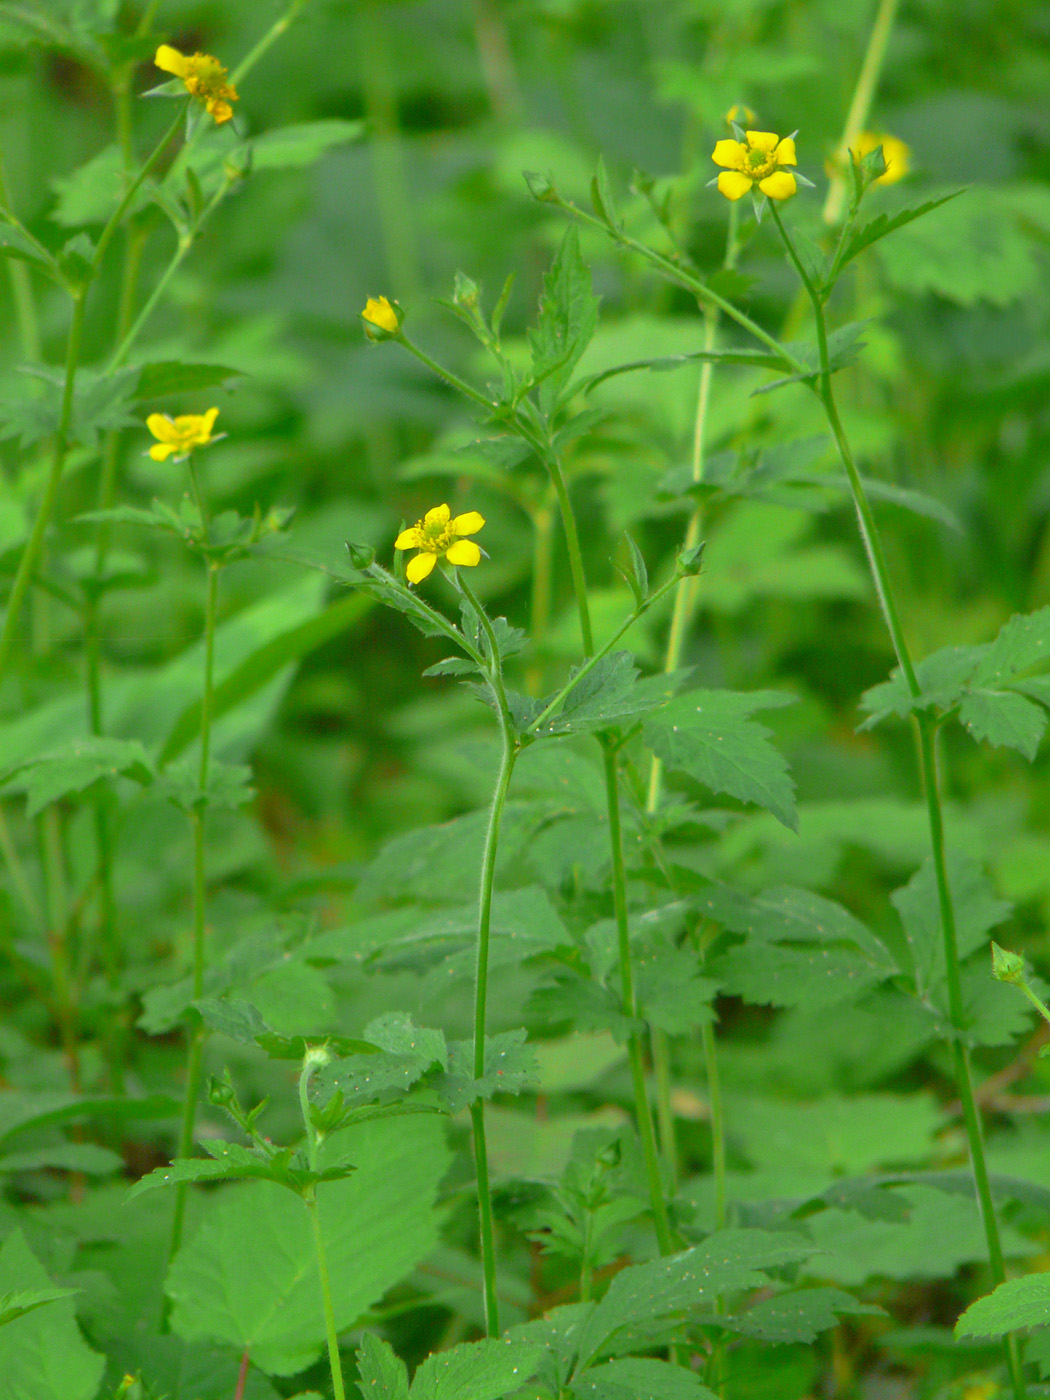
[
  {"x": 588, "y": 975},
  {"x": 997, "y": 691}
]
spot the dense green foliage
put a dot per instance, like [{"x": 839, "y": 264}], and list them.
[{"x": 569, "y": 976}]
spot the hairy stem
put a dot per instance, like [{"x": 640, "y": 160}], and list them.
[
  {"x": 926, "y": 728},
  {"x": 508, "y": 754}
]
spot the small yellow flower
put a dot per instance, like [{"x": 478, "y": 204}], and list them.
[
  {"x": 205, "y": 78},
  {"x": 437, "y": 536},
  {"x": 378, "y": 312},
  {"x": 756, "y": 161},
  {"x": 179, "y": 436},
  {"x": 894, "y": 151}
]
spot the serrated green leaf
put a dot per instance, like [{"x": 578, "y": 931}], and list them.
[
  {"x": 883, "y": 224},
  {"x": 567, "y": 320},
  {"x": 1019, "y": 1302},
  {"x": 709, "y": 735},
  {"x": 42, "y": 1353},
  {"x": 798, "y": 1316},
  {"x": 76, "y": 766},
  {"x": 1004, "y": 719},
  {"x": 634, "y": 1376},
  {"x": 248, "y": 1277},
  {"x": 27, "y": 1300},
  {"x": 382, "y": 1374},
  {"x": 510, "y": 1067},
  {"x": 729, "y": 1260},
  {"x": 228, "y": 785},
  {"x": 485, "y": 1370},
  {"x": 977, "y": 911}
]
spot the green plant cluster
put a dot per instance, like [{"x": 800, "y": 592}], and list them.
[{"x": 568, "y": 975}]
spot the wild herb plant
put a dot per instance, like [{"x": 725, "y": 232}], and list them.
[{"x": 584, "y": 1058}]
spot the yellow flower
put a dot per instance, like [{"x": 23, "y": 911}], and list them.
[
  {"x": 895, "y": 153},
  {"x": 437, "y": 536},
  {"x": 205, "y": 78},
  {"x": 379, "y": 313},
  {"x": 756, "y": 161},
  {"x": 179, "y": 436}
]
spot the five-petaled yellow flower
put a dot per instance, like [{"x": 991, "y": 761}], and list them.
[
  {"x": 756, "y": 161},
  {"x": 896, "y": 154},
  {"x": 437, "y": 535},
  {"x": 179, "y": 436},
  {"x": 378, "y": 312},
  {"x": 205, "y": 78}
]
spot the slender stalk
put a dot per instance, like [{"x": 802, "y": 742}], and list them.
[
  {"x": 332, "y": 1335},
  {"x": 160, "y": 287},
  {"x": 271, "y": 36},
  {"x": 718, "y": 1130},
  {"x": 860, "y": 106},
  {"x": 540, "y": 603},
  {"x": 313, "y": 1059},
  {"x": 21, "y": 292},
  {"x": 508, "y": 754},
  {"x": 928, "y": 762},
  {"x": 643, "y": 1112},
  {"x": 195, "y": 1049},
  {"x": 35, "y": 543}
]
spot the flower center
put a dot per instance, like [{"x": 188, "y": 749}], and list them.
[{"x": 759, "y": 163}]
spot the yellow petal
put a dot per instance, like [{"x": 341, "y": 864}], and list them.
[
  {"x": 438, "y": 516},
  {"x": 779, "y": 185},
  {"x": 465, "y": 553},
  {"x": 162, "y": 428},
  {"x": 221, "y": 111},
  {"x": 785, "y": 152},
  {"x": 379, "y": 311},
  {"x": 728, "y": 153},
  {"x": 762, "y": 141},
  {"x": 412, "y": 538},
  {"x": 420, "y": 567},
  {"x": 208, "y": 421},
  {"x": 171, "y": 61},
  {"x": 161, "y": 451},
  {"x": 468, "y": 524},
  {"x": 732, "y": 184}
]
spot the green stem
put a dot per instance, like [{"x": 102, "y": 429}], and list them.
[
  {"x": 643, "y": 1112},
  {"x": 461, "y": 385},
  {"x": 684, "y": 278},
  {"x": 35, "y": 544},
  {"x": 860, "y": 106},
  {"x": 928, "y": 762},
  {"x": 265, "y": 43},
  {"x": 195, "y": 1049},
  {"x": 185, "y": 243},
  {"x": 718, "y": 1129},
  {"x": 334, "y": 1361},
  {"x": 22, "y": 292},
  {"x": 596, "y": 656},
  {"x": 509, "y": 753}
]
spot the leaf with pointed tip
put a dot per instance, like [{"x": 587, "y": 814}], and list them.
[{"x": 709, "y": 735}]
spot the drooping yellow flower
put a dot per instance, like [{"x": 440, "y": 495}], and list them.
[
  {"x": 179, "y": 436},
  {"x": 438, "y": 536},
  {"x": 205, "y": 78},
  {"x": 896, "y": 154},
  {"x": 378, "y": 312},
  {"x": 756, "y": 161}
]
